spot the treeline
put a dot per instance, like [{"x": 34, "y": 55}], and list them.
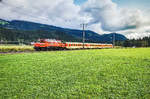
[
  {"x": 14, "y": 36},
  {"x": 142, "y": 42},
  {"x": 34, "y": 35}
]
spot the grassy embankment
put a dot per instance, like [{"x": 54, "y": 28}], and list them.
[
  {"x": 82, "y": 74},
  {"x": 15, "y": 48}
]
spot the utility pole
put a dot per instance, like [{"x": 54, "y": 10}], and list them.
[
  {"x": 114, "y": 40},
  {"x": 83, "y": 34}
]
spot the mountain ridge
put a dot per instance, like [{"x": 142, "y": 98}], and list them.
[{"x": 52, "y": 31}]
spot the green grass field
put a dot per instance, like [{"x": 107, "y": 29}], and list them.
[{"x": 81, "y": 74}]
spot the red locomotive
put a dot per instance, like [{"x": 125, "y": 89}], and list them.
[{"x": 52, "y": 44}]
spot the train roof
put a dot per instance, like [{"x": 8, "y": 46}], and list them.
[{"x": 87, "y": 43}]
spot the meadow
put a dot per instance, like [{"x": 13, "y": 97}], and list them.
[
  {"x": 15, "y": 48},
  {"x": 79, "y": 74}
]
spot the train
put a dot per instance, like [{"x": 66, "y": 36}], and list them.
[{"x": 53, "y": 44}]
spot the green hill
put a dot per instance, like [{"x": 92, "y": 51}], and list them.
[{"x": 29, "y": 31}]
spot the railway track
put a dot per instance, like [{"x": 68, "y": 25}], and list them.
[{"x": 43, "y": 51}]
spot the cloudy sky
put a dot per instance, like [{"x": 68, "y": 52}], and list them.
[{"x": 128, "y": 17}]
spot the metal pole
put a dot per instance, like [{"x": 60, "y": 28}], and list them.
[
  {"x": 83, "y": 36},
  {"x": 113, "y": 40}
]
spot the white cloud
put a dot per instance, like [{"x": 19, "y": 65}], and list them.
[
  {"x": 103, "y": 16},
  {"x": 111, "y": 17},
  {"x": 114, "y": 19},
  {"x": 55, "y": 12},
  {"x": 137, "y": 33}
]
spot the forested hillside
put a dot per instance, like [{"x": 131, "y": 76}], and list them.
[
  {"x": 15, "y": 35},
  {"x": 30, "y": 31}
]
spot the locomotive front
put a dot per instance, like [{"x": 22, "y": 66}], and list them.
[{"x": 49, "y": 44}]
